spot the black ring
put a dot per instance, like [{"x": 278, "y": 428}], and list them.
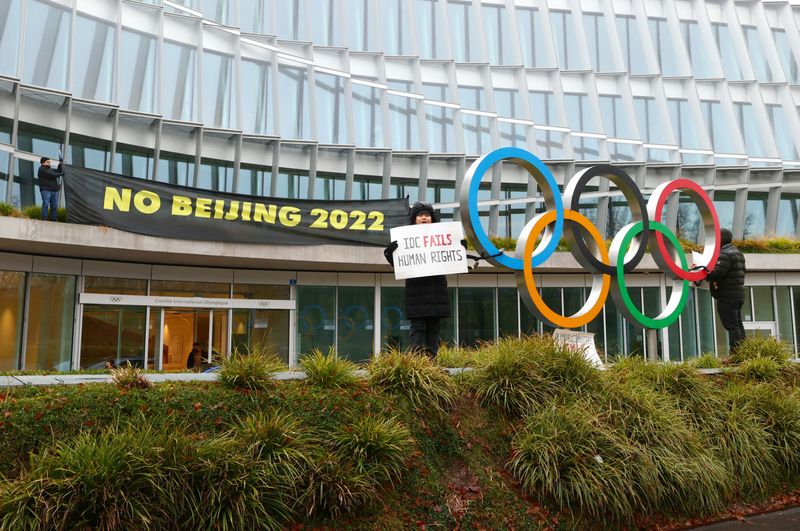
[{"x": 638, "y": 206}]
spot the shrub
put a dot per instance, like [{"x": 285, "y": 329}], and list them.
[
  {"x": 417, "y": 378},
  {"x": 378, "y": 447},
  {"x": 780, "y": 414},
  {"x": 709, "y": 360},
  {"x": 6, "y": 209},
  {"x": 129, "y": 377},
  {"x": 566, "y": 454},
  {"x": 250, "y": 368},
  {"x": 336, "y": 486},
  {"x": 762, "y": 347},
  {"x": 328, "y": 370},
  {"x": 759, "y": 369},
  {"x": 455, "y": 357}
]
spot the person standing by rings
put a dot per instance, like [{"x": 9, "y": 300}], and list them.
[
  {"x": 49, "y": 186},
  {"x": 427, "y": 299},
  {"x": 727, "y": 286}
]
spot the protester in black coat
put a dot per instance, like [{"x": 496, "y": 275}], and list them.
[
  {"x": 727, "y": 286},
  {"x": 49, "y": 186},
  {"x": 427, "y": 298}
]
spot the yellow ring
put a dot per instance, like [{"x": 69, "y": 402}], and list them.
[{"x": 584, "y": 315}]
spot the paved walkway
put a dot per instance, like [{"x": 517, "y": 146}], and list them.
[{"x": 788, "y": 520}]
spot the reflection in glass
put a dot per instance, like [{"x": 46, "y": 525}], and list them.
[
  {"x": 701, "y": 66},
  {"x": 331, "y": 113},
  {"x": 88, "y": 152},
  {"x": 616, "y": 125},
  {"x": 121, "y": 286},
  {"x": 329, "y": 187},
  {"x": 755, "y": 215},
  {"x": 291, "y": 185},
  {"x": 529, "y": 26},
  {"x": 394, "y": 18},
  {"x": 463, "y": 31},
  {"x": 254, "y": 329},
  {"x": 12, "y": 300},
  {"x": 316, "y": 318},
  {"x": 580, "y": 118},
  {"x": 788, "y": 209},
  {"x": 652, "y": 126},
  {"x": 781, "y": 132},
  {"x": 705, "y": 315},
  {"x": 783, "y": 302},
  {"x": 254, "y": 180},
  {"x": 94, "y": 43},
  {"x": 290, "y": 24},
  {"x": 507, "y": 300},
  {"x": 9, "y": 36},
  {"x": 724, "y": 203},
  {"x": 430, "y": 39},
  {"x": 323, "y": 22},
  {"x": 631, "y": 43},
  {"x": 720, "y": 130},
  {"x": 549, "y": 144},
  {"x": 356, "y": 322},
  {"x": 41, "y": 141},
  {"x": 786, "y": 56},
  {"x": 133, "y": 161},
  {"x": 215, "y": 175},
  {"x": 749, "y": 127},
  {"x": 730, "y": 64},
  {"x": 367, "y": 187},
  {"x": 256, "y": 106},
  {"x": 564, "y": 33},
  {"x": 254, "y": 16},
  {"x": 175, "y": 168},
  {"x": 112, "y": 335},
  {"x": 137, "y": 81},
  {"x": 497, "y": 34},
  {"x": 219, "y": 89},
  {"x": 51, "y": 307},
  {"x": 295, "y": 116},
  {"x": 394, "y": 325},
  {"x": 367, "y": 122},
  {"x": 477, "y": 136},
  {"x": 763, "y": 305},
  {"x": 476, "y": 319},
  {"x": 597, "y": 39},
  {"x": 358, "y": 26},
  {"x": 4, "y": 156},
  {"x": 757, "y": 57},
  {"x": 664, "y": 44},
  {"x": 178, "y": 87},
  {"x": 174, "y": 288},
  {"x": 47, "y": 36},
  {"x": 403, "y": 120},
  {"x": 439, "y": 122},
  {"x": 688, "y": 219}
]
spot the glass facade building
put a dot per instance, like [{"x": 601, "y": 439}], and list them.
[{"x": 370, "y": 99}]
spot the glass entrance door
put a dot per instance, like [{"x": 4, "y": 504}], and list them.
[{"x": 183, "y": 327}]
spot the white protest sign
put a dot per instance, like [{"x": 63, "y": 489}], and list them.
[
  {"x": 582, "y": 342},
  {"x": 429, "y": 249}
]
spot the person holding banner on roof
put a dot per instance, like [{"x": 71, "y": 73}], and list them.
[
  {"x": 427, "y": 299},
  {"x": 49, "y": 186}
]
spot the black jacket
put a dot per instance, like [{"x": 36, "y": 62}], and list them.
[
  {"x": 48, "y": 178},
  {"x": 727, "y": 278},
  {"x": 425, "y": 296}
]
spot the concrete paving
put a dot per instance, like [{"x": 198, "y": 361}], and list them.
[{"x": 788, "y": 520}]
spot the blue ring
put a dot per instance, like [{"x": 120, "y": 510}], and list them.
[{"x": 486, "y": 162}]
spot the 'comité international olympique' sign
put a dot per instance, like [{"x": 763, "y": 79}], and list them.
[{"x": 608, "y": 266}]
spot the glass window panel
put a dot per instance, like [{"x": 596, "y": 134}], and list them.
[
  {"x": 563, "y": 28},
  {"x": 175, "y": 168},
  {"x": 215, "y": 175},
  {"x": 436, "y": 91},
  {"x": 94, "y": 44},
  {"x": 47, "y": 37},
  {"x": 10, "y": 24},
  {"x": 216, "y": 10},
  {"x": 552, "y": 298},
  {"x": 507, "y": 300},
  {"x": 51, "y": 309},
  {"x": 652, "y": 126},
  {"x": 498, "y": 36},
  {"x": 788, "y": 209},
  {"x": 664, "y": 45},
  {"x": 757, "y": 57},
  {"x": 507, "y": 103},
  {"x": 755, "y": 214},
  {"x": 177, "y": 86},
  {"x": 781, "y": 132},
  {"x": 290, "y": 23},
  {"x": 462, "y": 32},
  {"x": 394, "y": 325},
  {"x": 254, "y": 16},
  {"x": 367, "y": 187},
  {"x": 439, "y": 123},
  {"x": 254, "y": 180},
  {"x": 724, "y": 203},
  {"x": 763, "y": 303},
  {"x": 322, "y": 22},
  {"x": 133, "y": 161},
  {"x": 619, "y": 214},
  {"x": 5, "y": 130},
  {"x": 597, "y": 39},
  {"x": 367, "y": 122},
  {"x": 41, "y": 141},
  {"x": 256, "y": 106},
  {"x": 651, "y": 306},
  {"x": 175, "y": 288},
  {"x": 137, "y": 81},
  {"x": 631, "y": 43},
  {"x": 430, "y": 38},
  {"x": 730, "y": 65},
  {"x": 261, "y": 327},
  {"x": 688, "y": 322},
  {"x": 4, "y": 159},
  {"x": 748, "y": 126},
  {"x": 121, "y": 286},
  {"x": 112, "y": 334},
  {"x": 12, "y": 300},
  {"x": 549, "y": 144},
  {"x": 89, "y": 152},
  {"x": 329, "y": 187},
  {"x": 787, "y": 58},
  {"x": 580, "y": 118},
  {"x": 705, "y": 320},
  {"x": 295, "y": 118},
  {"x": 316, "y": 318},
  {"x": 783, "y": 301},
  {"x": 400, "y": 188},
  {"x": 291, "y": 185},
  {"x": 476, "y": 315},
  {"x": 331, "y": 113},
  {"x": 477, "y": 136},
  {"x": 356, "y": 322},
  {"x": 358, "y": 26},
  {"x": 701, "y": 66},
  {"x": 616, "y": 125},
  {"x": 512, "y": 135},
  {"x": 614, "y": 330},
  {"x": 261, "y": 291},
  {"x": 720, "y": 130},
  {"x": 218, "y": 90},
  {"x": 688, "y": 219},
  {"x": 25, "y": 189},
  {"x": 472, "y": 97},
  {"x": 634, "y": 337},
  {"x": 529, "y": 26},
  {"x": 395, "y": 20},
  {"x": 403, "y": 120}
]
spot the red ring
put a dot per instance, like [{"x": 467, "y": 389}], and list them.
[{"x": 692, "y": 276}]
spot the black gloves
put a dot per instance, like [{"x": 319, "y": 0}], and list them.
[
  {"x": 464, "y": 244},
  {"x": 387, "y": 253}
]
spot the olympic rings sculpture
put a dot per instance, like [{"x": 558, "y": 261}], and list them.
[{"x": 628, "y": 246}]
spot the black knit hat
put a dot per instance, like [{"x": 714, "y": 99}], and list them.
[
  {"x": 725, "y": 236},
  {"x": 421, "y": 206}
]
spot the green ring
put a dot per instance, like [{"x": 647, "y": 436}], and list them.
[{"x": 649, "y": 322}]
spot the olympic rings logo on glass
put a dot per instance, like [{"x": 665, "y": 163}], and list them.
[{"x": 628, "y": 246}]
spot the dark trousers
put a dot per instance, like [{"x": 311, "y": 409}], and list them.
[
  {"x": 424, "y": 335},
  {"x": 730, "y": 313}
]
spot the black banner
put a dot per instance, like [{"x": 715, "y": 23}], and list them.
[{"x": 170, "y": 211}]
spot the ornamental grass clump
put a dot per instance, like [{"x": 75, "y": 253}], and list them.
[
  {"x": 378, "y": 447},
  {"x": 250, "y": 368},
  {"x": 328, "y": 370},
  {"x": 780, "y": 414},
  {"x": 566, "y": 453},
  {"x": 762, "y": 347},
  {"x": 335, "y": 486},
  {"x": 416, "y": 378},
  {"x": 709, "y": 360},
  {"x": 759, "y": 369},
  {"x": 130, "y": 377},
  {"x": 455, "y": 357}
]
